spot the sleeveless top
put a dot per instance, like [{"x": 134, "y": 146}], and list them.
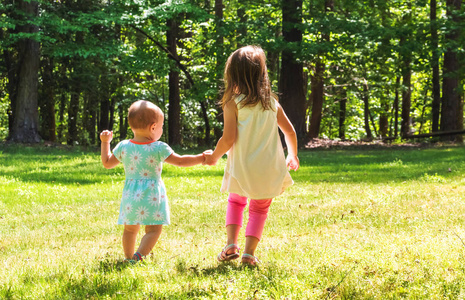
[{"x": 256, "y": 165}]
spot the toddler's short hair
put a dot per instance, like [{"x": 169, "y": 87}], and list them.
[{"x": 143, "y": 114}]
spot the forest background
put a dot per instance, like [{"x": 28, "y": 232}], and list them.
[{"x": 343, "y": 69}]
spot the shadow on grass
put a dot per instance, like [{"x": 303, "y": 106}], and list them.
[
  {"x": 72, "y": 166},
  {"x": 96, "y": 287},
  {"x": 379, "y": 165},
  {"x": 225, "y": 268},
  {"x": 108, "y": 265}
]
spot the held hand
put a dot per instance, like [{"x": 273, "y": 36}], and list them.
[
  {"x": 292, "y": 162},
  {"x": 106, "y": 136},
  {"x": 208, "y": 158}
]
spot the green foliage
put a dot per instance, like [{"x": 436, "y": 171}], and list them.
[{"x": 115, "y": 50}]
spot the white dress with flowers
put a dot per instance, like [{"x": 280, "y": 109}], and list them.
[{"x": 144, "y": 200}]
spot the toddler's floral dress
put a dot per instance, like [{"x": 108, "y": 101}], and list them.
[{"x": 144, "y": 200}]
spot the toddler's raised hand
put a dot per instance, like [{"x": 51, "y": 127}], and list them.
[
  {"x": 106, "y": 136},
  {"x": 292, "y": 162}
]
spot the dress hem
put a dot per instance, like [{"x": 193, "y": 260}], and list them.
[{"x": 144, "y": 224}]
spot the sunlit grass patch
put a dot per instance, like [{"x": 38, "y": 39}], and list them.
[{"x": 357, "y": 224}]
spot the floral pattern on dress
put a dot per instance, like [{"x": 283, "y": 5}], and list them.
[
  {"x": 158, "y": 215},
  {"x": 151, "y": 161},
  {"x": 144, "y": 200}
]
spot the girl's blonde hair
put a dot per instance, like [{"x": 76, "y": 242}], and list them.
[
  {"x": 246, "y": 73},
  {"x": 142, "y": 114}
]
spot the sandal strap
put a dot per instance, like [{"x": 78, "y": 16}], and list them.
[
  {"x": 250, "y": 256},
  {"x": 231, "y": 246},
  {"x": 224, "y": 256}
]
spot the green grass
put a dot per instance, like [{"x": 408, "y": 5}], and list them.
[{"x": 357, "y": 224}]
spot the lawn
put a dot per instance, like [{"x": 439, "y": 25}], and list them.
[{"x": 357, "y": 224}]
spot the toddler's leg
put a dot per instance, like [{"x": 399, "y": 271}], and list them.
[
  {"x": 234, "y": 216},
  {"x": 152, "y": 233},
  {"x": 258, "y": 212},
  {"x": 129, "y": 239}
]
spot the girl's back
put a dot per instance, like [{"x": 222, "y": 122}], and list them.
[{"x": 256, "y": 165}]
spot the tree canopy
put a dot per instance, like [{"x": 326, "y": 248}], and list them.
[{"x": 343, "y": 69}]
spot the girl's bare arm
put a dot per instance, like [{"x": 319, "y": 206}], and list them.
[
  {"x": 229, "y": 133},
  {"x": 291, "y": 139}
]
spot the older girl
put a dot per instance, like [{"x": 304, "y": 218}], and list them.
[{"x": 256, "y": 167}]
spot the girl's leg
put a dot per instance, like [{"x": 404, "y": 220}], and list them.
[
  {"x": 129, "y": 239},
  {"x": 258, "y": 212},
  {"x": 152, "y": 233},
  {"x": 234, "y": 217}
]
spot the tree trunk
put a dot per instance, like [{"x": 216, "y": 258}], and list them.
[
  {"x": 64, "y": 87},
  {"x": 242, "y": 30},
  {"x": 220, "y": 62},
  {"x": 90, "y": 115},
  {"x": 317, "y": 99},
  {"x": 104, "y": 122},
  {"x": 459, "y": 138},
  {"x": 423, "y": 110},
  {"x": 26, "y": 118},
  {"x": 47, "y": 103},
  {"x": 384, "y": 118},
  {"x": 436, "y": 105},
  {"x": 123, "y": 129},
  {"x": 291, "y": 80},
  {"x": 366, "y": 110},
  {"x": 12, "y": 83},
  {"x": 406, "y": 100},
  {"x": 406, "y": 91},
  {"x": 317, "y": 85},
  {"x": 112, "y": 112},
  {"x": 451, "y": 104},
  {"x": 174, "y": 110},
  {"x": 396, "y": 108},
  {"x": 342, "y": 114},
  {"x": 73, "y": 108}
]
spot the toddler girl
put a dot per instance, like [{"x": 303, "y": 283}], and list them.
[
  {"x": 144, "y": 200},
  {"x": 256, "y": 167}
]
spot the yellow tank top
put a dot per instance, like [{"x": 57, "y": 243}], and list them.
[{"x": 256, "y": 165}]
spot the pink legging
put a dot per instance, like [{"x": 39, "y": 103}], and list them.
[{"x": 258, "y": 211}]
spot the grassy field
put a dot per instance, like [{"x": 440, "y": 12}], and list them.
[{"x": 357, "y": 224}]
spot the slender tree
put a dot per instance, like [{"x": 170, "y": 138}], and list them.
[
  {"x": 396, "y": 107},
  {"x": 47, "y": 101},
  {"x": 76, "y": 89},
  {"x": 366, "y": 109},
  {"x": 317, "y": 83},
  {"x": 436, "y": 105},
  {"x": 174, "y": 110},
  {"x": 406, "y": 88},
  {"x": 342, "y": 114},
  {"x": 220, "y": 61}
]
